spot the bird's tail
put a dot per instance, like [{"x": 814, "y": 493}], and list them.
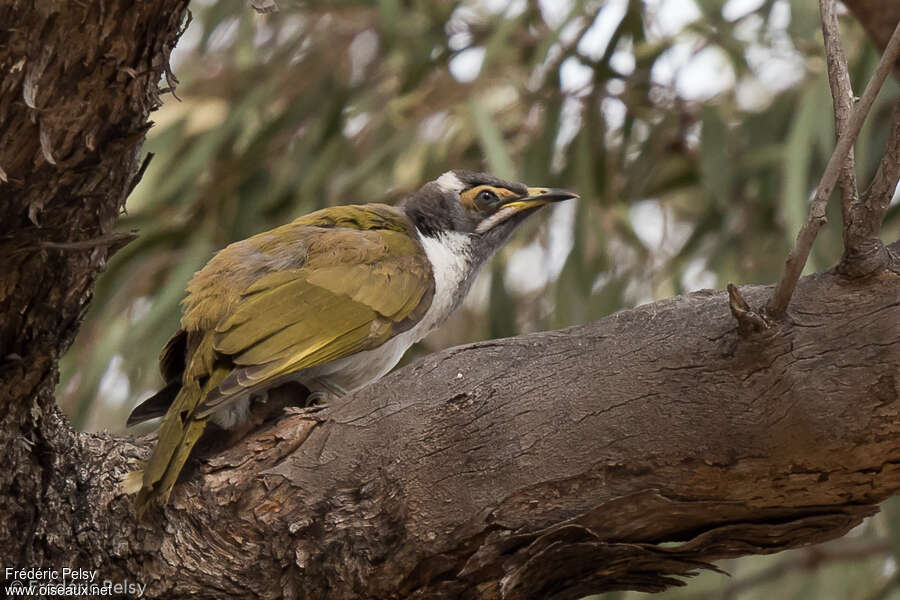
[
  {"x": 156, "y": 405},
  {"x": 131, "y": 483},
  {"x": 178, "y": 434}
]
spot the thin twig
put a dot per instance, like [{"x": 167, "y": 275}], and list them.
[
  {"x": 139, "y": 175},
  {"x": 116, "y": 239},
  {"x": 867, "y": 215},
  {"x": 842, "y": 97},
  {"x": 864, "y": 252},
  {"x": 793, "y": 267}
]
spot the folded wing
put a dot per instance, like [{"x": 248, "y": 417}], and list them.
[{"x": 330, "y": 308}]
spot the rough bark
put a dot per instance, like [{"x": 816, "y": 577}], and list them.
[
  {"x": 77, "y": 84},
  {"x": 611, "y": 455},
  {"x": 551, "y": 465}
]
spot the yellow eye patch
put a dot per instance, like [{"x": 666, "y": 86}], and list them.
[{"x": 467, "y": 198}]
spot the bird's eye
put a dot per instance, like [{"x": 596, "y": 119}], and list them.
[{"x": 486, "y": 200}]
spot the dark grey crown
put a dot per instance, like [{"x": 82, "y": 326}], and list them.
[{"x": 474, "y": 179}]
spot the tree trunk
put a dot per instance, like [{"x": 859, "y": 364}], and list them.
[
  {"x": 552, "y": 465},
  {"x": 78, "y": 83}
]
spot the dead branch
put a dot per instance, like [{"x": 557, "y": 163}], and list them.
[{"x": 749, "y": 320}]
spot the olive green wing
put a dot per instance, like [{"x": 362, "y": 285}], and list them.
[{"x": 342, "y": 301}]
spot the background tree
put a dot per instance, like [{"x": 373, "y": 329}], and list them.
[{"x": 694, "y": 133}]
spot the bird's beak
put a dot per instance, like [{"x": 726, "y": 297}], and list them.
[{"x": 539, "y": 197}]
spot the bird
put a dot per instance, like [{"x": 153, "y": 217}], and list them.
[{"x": 331, "y": 300}]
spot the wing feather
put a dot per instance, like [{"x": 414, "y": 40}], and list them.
[
  {"x": 339, "y": 303},
  {"x": 330, "y": 284}
]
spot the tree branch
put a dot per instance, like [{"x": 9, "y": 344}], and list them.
[
  {"x": 606, "y": 456},
  {"x": 611, "y": 455},
  {"x": 842, "y": 97},
  {"x": 878, "y": 195},
  {"x": 777, "y": 305},
  {"x": 72, "y": 119},
  {"x": 864, "y": 251}
]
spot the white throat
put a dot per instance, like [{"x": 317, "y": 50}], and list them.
[{"x": 450, "y": 255}]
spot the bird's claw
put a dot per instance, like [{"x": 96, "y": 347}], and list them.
[
  {"x": 316, "y": 400},
  {"x": 314, "y": 404}
]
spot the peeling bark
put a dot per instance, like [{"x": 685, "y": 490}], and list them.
[{"x": 78, "y": 83}]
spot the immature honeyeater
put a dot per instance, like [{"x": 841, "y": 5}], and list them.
[{"x": 331, "y": 300}]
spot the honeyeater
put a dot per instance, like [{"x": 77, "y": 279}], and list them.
[{"x": 331, "y": 300}]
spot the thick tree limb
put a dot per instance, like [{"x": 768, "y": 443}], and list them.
[
  {"x": 777, "y": 304},
  {"x": 547, "y": 466}
]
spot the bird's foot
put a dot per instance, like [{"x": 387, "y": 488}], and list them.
[
  {"x": 315, "y": 403},
  {"x": 305, "y": 411},
  {"x": 317, "y": 400}
]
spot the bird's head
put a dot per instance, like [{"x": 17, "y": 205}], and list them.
[{"x": 484, "y": 208}]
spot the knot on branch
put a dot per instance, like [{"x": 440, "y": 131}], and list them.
[
  {"x": 864, "y": 258},
  {"x": 749, "y": 320}
]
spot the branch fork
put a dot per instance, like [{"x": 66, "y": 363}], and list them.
[{"x": 864, "y": 252}]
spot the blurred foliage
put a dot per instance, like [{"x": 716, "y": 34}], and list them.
[{"x": 693, "y": 130}]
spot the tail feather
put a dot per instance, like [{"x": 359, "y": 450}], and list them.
[
  {"x": 179, "y": 432},
  {"x": 131, "y": 483},
  {"x": 154, "y": 406},
  {"x": 160, "y": 489}
]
